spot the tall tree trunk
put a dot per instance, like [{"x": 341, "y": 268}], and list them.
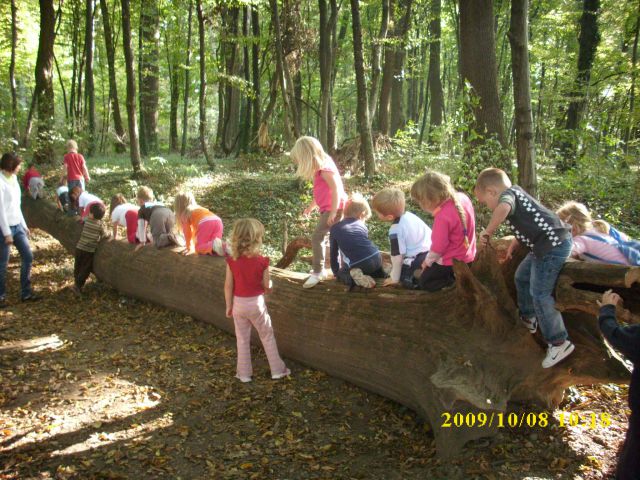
[
  {"x": 134, "y": 145},
  {"x": 525, "y": 146},
  {"x": 12, "y": 72},
  {"x": 631, "y": 123},
  {"x": 203, "y": 85},
  {"x": 324, "y": 55},
  {"x": 364, "y": 126},
  {"x": 332, "y": 139},
  {"x": 233, "y": 65},
  {"x": 376, "y": 55},
  {"x": 397, "y": 113},
  {"x": 588, "y": 40},
  {"x": 387, "y": 76},
  {"x": 285, "y": 82},
  {"x": 187, "y": 85},
  {"x": 479, "y": 68},
  {"x": 245, "y": 110},
  {"x": 89, "y": 87},
  {"x": 44, "y": 84},
  {"x": 436, "y": 95},
  {"x": 174, "y": 78},
  {"x": 149, "y": 72},
  {"x": 255, "y": 71},
  {"x": 74, "y": 72},
  {"x": 113, "y": 85}
]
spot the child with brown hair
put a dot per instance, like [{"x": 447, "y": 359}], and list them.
[
  {"x": 200, "y": 224},
  {"x": 124, "y": 214},
  {"x": 160, "y": 219},
  {"x": 453, "y": 234},
  {"x": 247, "y": 280},
  {"x": 92, "y": 232}
]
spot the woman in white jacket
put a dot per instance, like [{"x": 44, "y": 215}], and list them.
[{"x": 14, "y": 229}]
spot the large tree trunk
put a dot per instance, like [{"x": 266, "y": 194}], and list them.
[
  {"x": 588, "y": 40},
  {"x": 631, "y": 126},
  {"x": 364, "y": 125},
  {"x": 436, "y": 95},
  {"x": 460, "y": 350},
  {"x": 387, "y": 76},
  {"x": 12, "y": 73},
  {"x": 203, "y": 86},
  {"x": 89, "y": 87},
  {"x": 396, "y": 111},
  {"x": 376, "y": 55},
  {"x": 478, "y": 66},
  {"x": 44, "y": 84},
  {"x": 246, "y": 102},
  {"x": 326, "y": 61},
  {"x": 233, "y": 69},
  {"x": 255, "y": 72},
  {"x": 519, "y": 39},
  {"x": 120, "y": 143},
  {"x": 149, "y": 73},
  {"x": 174, "y": 78},
  {"x": 187, "y": 85},
  {"x": 134, "y": 145}
]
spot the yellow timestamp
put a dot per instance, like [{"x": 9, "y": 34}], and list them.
[{"x": 590, "y": 420}]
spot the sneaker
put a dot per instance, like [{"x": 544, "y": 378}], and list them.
[
  {"x": 278, "y": 376},
  {"x": 243, "y": 379},
  {"x": 530, "y": 323},
  {"x": 33, "y": 297},
  {"x": 557, "y": 353},
  {"x": 313, "y": 280},
  {"x": 361, "y": 279}
]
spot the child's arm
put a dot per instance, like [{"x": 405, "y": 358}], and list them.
[
  {"x": 333, "y": 186},
  {"x": 228, "y": 292},
  {"x": 85, "y": 172},
  {"x": 266, "y": 281},
  {"x": 333, "y": 255},
  {"x": 625, "y": 339},
  {"x": 115, "y": 231},
  {"x": 396, "y": 269},
  {"x": 307, "y": 211},
  {"x": 142, "y": 233},
  {"x": 499, "y": 215}
]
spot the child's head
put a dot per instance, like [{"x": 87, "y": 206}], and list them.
[
  {"x": 308, "y": 155},
  {"x": 430, "y": 190},
  {"x": 72, "y": 146},
  {"x": 388, "y": 204},
  {"x": 357, "y": 207},
  {"x": 490, "y": 185},
  {"x": 578, "y": 216},
  {"x": 246, "y": 237},
  {"x": 97, "y": 211},
  {"x": 182, "y": 205},
  {"x": 117, "y": 199},
  {"x": 10, "y": 162},
  {"x": 145, "y": 194}
]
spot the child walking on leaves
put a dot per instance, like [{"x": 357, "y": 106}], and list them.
[{"x": 247, "y": 280}]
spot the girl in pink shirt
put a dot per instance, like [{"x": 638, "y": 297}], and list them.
[
  {"x": 453, "y": 232},
  {"x": 247, "y": 279},
  {"x": 583, "y": 229},
  {"x": 328, "y": 196}
]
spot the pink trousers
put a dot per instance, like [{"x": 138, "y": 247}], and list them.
[
  {"x": 248, "y": 311},
  {"x": 208, "y": 229}
]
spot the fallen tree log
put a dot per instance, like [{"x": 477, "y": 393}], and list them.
[{"x": 457, "y": 350}]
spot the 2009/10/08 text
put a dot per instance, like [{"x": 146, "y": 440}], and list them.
[{"x": 524, "y": 419}]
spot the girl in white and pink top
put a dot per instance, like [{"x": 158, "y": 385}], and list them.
[
  {"x": 453, "y": 232},
  {"x": 328, "y": 196},
  {"x": 591, "y": 240},
  {"x": 124, "y": 215},
  {"x": 83, "y": 200}
]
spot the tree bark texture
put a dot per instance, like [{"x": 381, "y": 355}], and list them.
[
  {"x": 203, "y": 86},
  {"x": 436, "y": 95},
  {"x": 174, "y": 104},
  {"x": 397, "y": 110},
  {"x": 134, "y": 145},
  {"x": 12, "y": 72},
  {"x": 525, "y": 146},
  {"x": 149, "y": 73},
  {"x": 44, "y": 84},
  {"x": 376, "y": 57},
  {"x": 479, "y": 67},
  {"x": 89, "y": 87},
  {"x": 364, "y": 125},
  {"x": 255, "y": 72},
  {"x": 120, "y": 142},
  {"x": 457, "y": 350},
  {"x": 187, "y": 84},
  {"x": 326, "y": 61},
  {"x": 387, "y": 74},
  {"x": 233, "y": 69}
]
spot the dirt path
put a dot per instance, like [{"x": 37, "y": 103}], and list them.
[{"x": 107, "y": 387}]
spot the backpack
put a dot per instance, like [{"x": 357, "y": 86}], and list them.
[{"x": 629, "y": 248}]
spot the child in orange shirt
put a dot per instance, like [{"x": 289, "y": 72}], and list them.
[{"x": 200, "y": 224}]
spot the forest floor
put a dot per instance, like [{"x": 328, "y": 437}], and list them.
[{"x": 107, "y": 387}]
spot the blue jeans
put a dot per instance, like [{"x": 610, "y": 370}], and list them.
[
  {"x": 536, "y": 280},
  {"x": 75, "y": 183},
  {"x": 21, "y": 242},
  {"x": 372, "y": 266}
]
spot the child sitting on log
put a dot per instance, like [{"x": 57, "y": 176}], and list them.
[
  {"x": 92, "y": 232},
  {"x": 159, "y": 218},
  {"x": 82, "y": 200},
  {"x": 409, "y": 237},
  {"x": 124, "y": 215},
  {"x": 596, "y": 240},
  {"x": 33, "y": 183},
  {"x": 247, "y": 280},
  {"x": 453, "y": 233},
  {"x": 549, "y": 242},
  {"x": 361, "y": 259},
  {"x": 200, "y": 224},
  {"x": 627, "y": 340}
]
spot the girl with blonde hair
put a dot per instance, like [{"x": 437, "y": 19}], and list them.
[
  {"x": 329, "y": 197},
  {"x": 247, "y": 280},
  {"x": 453, "y": 234},
  {"x": 200, "y": 224}
]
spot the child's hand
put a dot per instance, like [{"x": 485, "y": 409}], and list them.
[
  {"x": 609, "y": 298},
  {"x": 512, "y": 246},
  {"x": 388, "y": 282},
  {"x": 331, "y": 219},
  {"x": 229, "y": 312},
  {"x": 484, "y": 237},
  {"x": 307, "y": 211},
  {"x": 186, "y": 251}
]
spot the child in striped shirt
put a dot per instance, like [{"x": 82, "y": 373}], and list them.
[{"x": 92, "y": 232}]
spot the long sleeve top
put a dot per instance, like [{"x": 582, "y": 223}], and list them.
[
  {"x": 10, "y": 212},
  {"x": 190, "y": 227},
  {"x": 350, "y": 239}
]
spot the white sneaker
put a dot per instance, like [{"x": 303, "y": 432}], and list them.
[
  {"x": 278, "y": 376},
  {"x": 313, "y": 280},
  {"x": 361, "y": 279},
  {"x": 557, "y": 353},
  {"x": 243, "y": 379},
  {"x": 530, "y": 323}
]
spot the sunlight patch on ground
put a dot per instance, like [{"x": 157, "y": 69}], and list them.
[{"x": 34, "y": 345}]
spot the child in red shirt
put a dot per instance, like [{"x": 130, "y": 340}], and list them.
[
  {"x": 33, "y": 183},
  {"x": 247, "y": 279},
  {"x": 75, "y": 167}
]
